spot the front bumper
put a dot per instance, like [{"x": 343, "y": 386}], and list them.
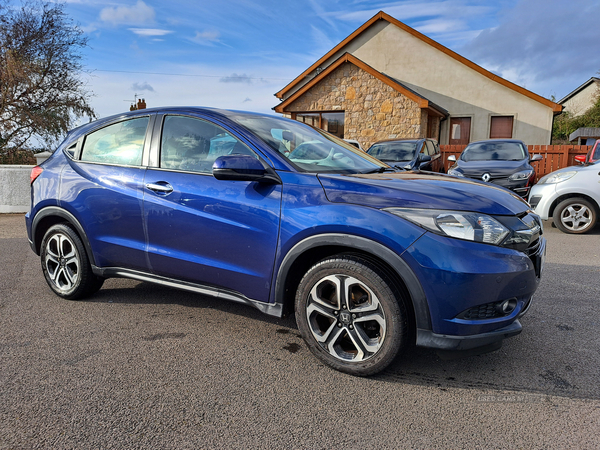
[
  {"x": 462, "y": 276},
  {"x": 541, "y": 198},
  {"x": 427, "y": 338}
]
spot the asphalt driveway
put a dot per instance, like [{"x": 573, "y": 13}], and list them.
[{"x": 142, "y": 366}]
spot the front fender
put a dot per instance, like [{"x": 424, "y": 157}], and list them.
[{"x": 377, "y": 250}]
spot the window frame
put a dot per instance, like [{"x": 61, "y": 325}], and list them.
[
  {"x": 78, "y": 151},
  {"x": 156, "y": 147}
]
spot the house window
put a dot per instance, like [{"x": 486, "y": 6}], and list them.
[
  {"x": 460, "y": 130},
  {"x": 333, "y": 122},
  {"x": 501, "y": 127}
]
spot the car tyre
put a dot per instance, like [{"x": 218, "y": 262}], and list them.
[
  {"x": 351, "y": 315},
  {"x": 575, "y": 215},
  {"x": 66, "y": 265}
]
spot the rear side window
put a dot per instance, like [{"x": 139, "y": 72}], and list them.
[
  {"x": 120, "y": 143},
  {"x": 192, "y": 145}
]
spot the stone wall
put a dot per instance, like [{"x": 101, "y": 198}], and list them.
[{"x": 373, "y": 110}]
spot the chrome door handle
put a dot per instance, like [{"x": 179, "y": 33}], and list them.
[{"x": 160, "y": 188}]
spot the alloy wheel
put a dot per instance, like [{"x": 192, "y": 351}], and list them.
[{"x": 346, "y": 318}]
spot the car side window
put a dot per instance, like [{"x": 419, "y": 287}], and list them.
[
  {"x": 120, "y": 143},
  {"x": 423, "y": 149},
  {"x": 432, "y": 148},
  {"x": 192, "y": 145}
]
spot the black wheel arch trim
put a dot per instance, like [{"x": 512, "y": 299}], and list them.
[
  {"x": 377, "y": 250},
  {"x": 56, "y": 211}
]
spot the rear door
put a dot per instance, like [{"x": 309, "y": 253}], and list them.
[
  {"x": 103, "y": 188},
  {"x": 203, "y": 230}
]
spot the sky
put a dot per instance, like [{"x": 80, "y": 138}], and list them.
[{"x": 237, "y": 54}]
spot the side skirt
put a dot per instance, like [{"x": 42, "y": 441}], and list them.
[{"x": 118, "y": 272}]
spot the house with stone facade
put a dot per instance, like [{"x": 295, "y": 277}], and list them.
[{"x": 387, "y": 80}]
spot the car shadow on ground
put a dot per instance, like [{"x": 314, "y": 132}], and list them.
[{"x": 545, "y": 360}]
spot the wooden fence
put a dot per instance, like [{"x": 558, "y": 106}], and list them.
[{"x": 554, "y": 156}]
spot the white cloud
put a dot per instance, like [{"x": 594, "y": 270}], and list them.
[
  {"x": 406, "y": 10},
  {"x": 207, "y": 37},
  {"x": 142, "y": 87},
  {"x": 150, "y": 31},
  {"x": 538, "y": 46},
  {"x": 138, "y": 14},
  {"x": 235, "y": 78}
]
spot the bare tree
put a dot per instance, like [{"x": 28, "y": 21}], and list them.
[{"x": 41, "y": 90}]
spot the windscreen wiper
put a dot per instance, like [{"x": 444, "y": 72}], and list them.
[{"x": 382, "y": 170}]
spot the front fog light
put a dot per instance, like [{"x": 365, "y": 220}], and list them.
[{"x": 507, "y": 306}]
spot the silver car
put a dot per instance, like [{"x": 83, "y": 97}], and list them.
[{"x": 570, "y": 196}]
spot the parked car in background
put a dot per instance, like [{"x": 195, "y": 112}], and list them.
[
  {"x": 422, "y": 154},
  {"x": 370, "y": 258},
  {"x": 592, "y": 156},
  {"x": 505, "y": 162},
  {"x": 570, "y": 196},
  {"x": 355, "y": 143}
]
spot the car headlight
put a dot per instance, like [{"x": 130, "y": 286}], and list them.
[
  {"x": 557, "y": 177},
  {"x": 455, "y": 173},
  {"x": 462, "y": 225},
  {"x": 523, "y": 175}
]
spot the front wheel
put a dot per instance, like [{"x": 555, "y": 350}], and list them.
[
  {"x": 66, "y": 265},
  {"x": 351, "y": 315},
  {"x": 575, "y": 215}
]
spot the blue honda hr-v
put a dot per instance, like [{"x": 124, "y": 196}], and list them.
[{"x": 287, "y": 218}]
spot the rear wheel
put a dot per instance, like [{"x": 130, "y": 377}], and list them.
[
  {"x": 65, "y": 264},
  {"x": 575, "y": 215},
  {"x": 351, "y": 315}
]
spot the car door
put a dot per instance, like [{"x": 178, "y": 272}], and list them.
[
  {"x": 423, "y": 151},
  {"x": 218, "y": 233},
  {"x": 434, "y": 151},
  {"x": 103, "y": 187}
]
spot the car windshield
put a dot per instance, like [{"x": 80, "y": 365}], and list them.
[
  {"x": 309, "y": 149},
  {"x": 494, "y": 151},
  {"x": 394, "y": 151}
]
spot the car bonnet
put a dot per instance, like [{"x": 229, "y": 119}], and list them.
[{"x": 415, "y": 189}]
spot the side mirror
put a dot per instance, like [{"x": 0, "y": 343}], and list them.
[
  {"x": 536, "y": 158},
  {"x": 452, "y": 158},
  {"x": 243, "y": 168},
  {"x": 422, "y": 159},
  {"x": 580, "y": 158}
]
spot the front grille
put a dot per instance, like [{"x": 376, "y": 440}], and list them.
[{"x": 533, "y": 248}]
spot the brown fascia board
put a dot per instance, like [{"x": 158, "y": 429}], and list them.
[
  {"x": 556, "y": 108},
  {"x": 348, "y": 57}
]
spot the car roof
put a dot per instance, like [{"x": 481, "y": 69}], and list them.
[
  {"x": 518, "y": 141},
  {"x": 215, "y": 112},
  {"x": 401, "y": 140}
]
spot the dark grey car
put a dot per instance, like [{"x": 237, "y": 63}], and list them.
[
  {"x": 505, "y": 162},
  {"x": 423, "y": 154}
]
